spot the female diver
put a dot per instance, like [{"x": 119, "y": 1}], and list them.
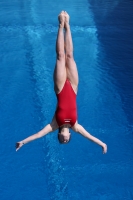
[{"x": 65, "y": 86}]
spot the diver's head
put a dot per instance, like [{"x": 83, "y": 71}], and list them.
[{"x": 64, "y": 135}]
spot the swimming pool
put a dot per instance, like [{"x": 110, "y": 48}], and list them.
[{"x": 102, "y": 35}]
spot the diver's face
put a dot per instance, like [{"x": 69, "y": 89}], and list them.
[{"x": 64, "y": 137}]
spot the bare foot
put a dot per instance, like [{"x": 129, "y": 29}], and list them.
[
  {"x": 67, "y": 18},
  {"x": 61, "y": 19}
]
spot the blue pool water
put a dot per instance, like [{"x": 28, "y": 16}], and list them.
[{"x": 103, "y": 48}]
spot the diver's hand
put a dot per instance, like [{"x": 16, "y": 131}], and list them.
[
  {"x": 19, "y": 145},
  {"x": 104, "y": 147}
]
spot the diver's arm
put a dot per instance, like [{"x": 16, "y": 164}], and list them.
[
  {"x": 47, "y": 129},
  {"x": 80, "y": 129}
]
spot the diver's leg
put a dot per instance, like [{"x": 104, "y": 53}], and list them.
[
  {"x": 72, "y": 73},
  {"x": 60, "y": 69}
]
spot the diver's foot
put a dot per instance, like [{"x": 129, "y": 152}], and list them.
[
  {"x": 67, "y": 18},
  {"x": 61, "y": 19}
]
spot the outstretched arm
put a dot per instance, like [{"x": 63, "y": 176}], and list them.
[
  {"x": 47, "y": 129},
  {"x": 80, "y": 129}
]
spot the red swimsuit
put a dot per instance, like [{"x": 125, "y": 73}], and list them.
[{"x": 66, "y": 112}]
